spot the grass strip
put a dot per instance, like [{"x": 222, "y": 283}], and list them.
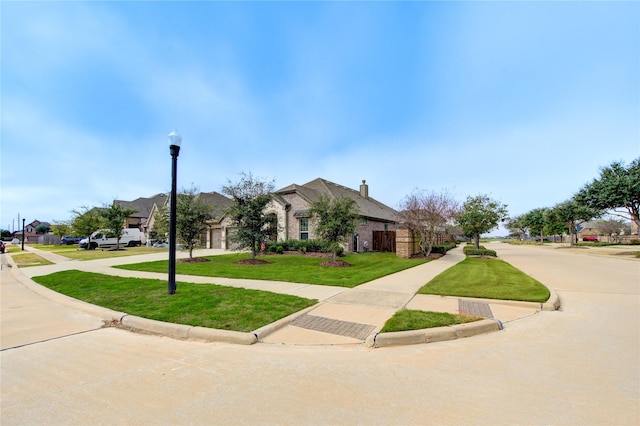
[
  {"x": 73, "y": 252},
  {"x": 407, "y": 319},
  {"x": 291, "y": 268},
  {"x": 24, "y": 260},
  {"x": 205, "y": 305},
  {"x": 486, "y": 278}
]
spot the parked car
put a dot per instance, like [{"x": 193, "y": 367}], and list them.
[
  {"x": 105, "y": 238},
  {"x": 589, "y": 238},
  {"x": 70, "y": 240}
]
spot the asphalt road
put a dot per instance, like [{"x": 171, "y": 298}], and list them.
[{"x": 580, "y": 365}]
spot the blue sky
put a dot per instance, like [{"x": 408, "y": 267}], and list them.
[{"x": 524, "y": 101}]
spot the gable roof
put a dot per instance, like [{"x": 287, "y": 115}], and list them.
[
  {"x": 218, "y": 202},
  {"x": 368, "y": 207},
  {"x": 143, "y": 205}
]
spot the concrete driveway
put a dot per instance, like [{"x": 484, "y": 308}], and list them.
[{"x": 575, "y": 366}]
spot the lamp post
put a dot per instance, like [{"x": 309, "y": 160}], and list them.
[
  {"x": 174, "y": 148},
  {"x": 23, "y": 236}
]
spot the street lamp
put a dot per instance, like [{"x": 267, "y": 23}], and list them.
[
  {"x": 174, "y": 148},
  {"x": 23, "y": 236}
]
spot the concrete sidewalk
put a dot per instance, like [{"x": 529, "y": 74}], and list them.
[{"x": 342, "y": 315}]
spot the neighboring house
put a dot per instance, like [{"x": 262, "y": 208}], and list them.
[
  {"x": 291, "y": 204},
  {"x": 590, "y": 229},
  {"x": 30, "y": 231},
  {"x": 142, "y": 207},
  {"x": 218, "y": 227}
]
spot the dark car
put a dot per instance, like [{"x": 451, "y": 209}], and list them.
[
  {"x": 589, "y": 238},
  {"x": 70, "y": 240}
]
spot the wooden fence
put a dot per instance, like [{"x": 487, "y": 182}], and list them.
[{"x": 384, "y": 241}]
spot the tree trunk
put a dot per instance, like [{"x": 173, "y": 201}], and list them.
[{"x": 476, "y": 240}]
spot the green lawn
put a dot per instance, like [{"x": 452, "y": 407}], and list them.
[
  {"x": 406, "y": 319},
  {"x": 486, "y": 278},
  {"x": 291, "y": 268},
  {"x": 205, "y": 305}
]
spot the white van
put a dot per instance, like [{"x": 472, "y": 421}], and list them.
[{"x": 105, "y": 238}]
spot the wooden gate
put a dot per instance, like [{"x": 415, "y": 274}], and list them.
[{"x": 384, "y": 241}]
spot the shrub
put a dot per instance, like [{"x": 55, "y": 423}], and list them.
[
  {"x": 308, "y": 246},
  {"x": 471, "y": 251},
  {"x": 443, "y": 248},
  {"x": 275, "y": 248}
]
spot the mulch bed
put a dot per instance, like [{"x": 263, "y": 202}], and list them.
[
  {"x": 432, "y": 256},
  {"x": 336, "y": 264},
  {"x": 251, "y": 262},
  {"x": 194, "y": 260}
]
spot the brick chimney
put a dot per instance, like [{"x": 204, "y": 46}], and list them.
[{"x": 364, "y": 189}]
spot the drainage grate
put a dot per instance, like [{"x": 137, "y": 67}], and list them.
[
  {"x": 333, "y": 326},
  {"x": 475, "y": 308}
]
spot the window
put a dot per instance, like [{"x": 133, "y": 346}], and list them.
[
  {"x": 304, "y": 228},
  {"x": 363, "y": 221}
]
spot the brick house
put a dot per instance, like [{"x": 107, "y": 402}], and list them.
[
  {"x": 30, "y": 231},
  {"x": 217, "y": 228},
  {"x": 291, "y": 204},
  {"x": 143, "y": 207}
]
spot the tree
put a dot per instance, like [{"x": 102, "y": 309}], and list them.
[
  {"x": 552, "y": 224},
  {"x": 334, "y": 220},
  {"x": 572, "y": 213},
  {"x": 480, "y": 214},
  {"x": 618, "y": 187},
  {"x": 86, "y": 221},
  {"x": 517, "y": 226},
  {"x": 613, "y": 228},
  {"x": 250, "y": 197},
  {"x": 161, "y": 222},
  {"x": 426, "y": 214},
  {"x": 60, "y": 229},
  {"x": 43, "y": 228},
  {"x": 114, "y": 217},
  {"x": 535, "y": 221},
  {"x": 191, "y": 218}
]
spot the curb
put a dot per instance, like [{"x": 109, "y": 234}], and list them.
[
  {"x": 263, "y": 332},
  {"x": 437, "y": 334},
  {"x": 187, "y": 332}
]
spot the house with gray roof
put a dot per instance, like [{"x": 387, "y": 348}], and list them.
[
  {"x": 291, "y": 205},
  {"x": 143, "y": 207}
]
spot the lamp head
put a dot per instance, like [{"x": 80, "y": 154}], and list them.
[{"x": 175, "y": 139}]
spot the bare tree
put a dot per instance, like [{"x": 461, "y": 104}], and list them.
[
  {"x": 613, "y": 228},
  {"x": 426, "y": 214}
]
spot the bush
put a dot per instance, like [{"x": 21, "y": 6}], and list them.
[
  {"x": 275, "y": 248},
  {"x": 443, "y": 248},
  {"x": 472, "y": 251},
  {"x": 308, "y": 246}
]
